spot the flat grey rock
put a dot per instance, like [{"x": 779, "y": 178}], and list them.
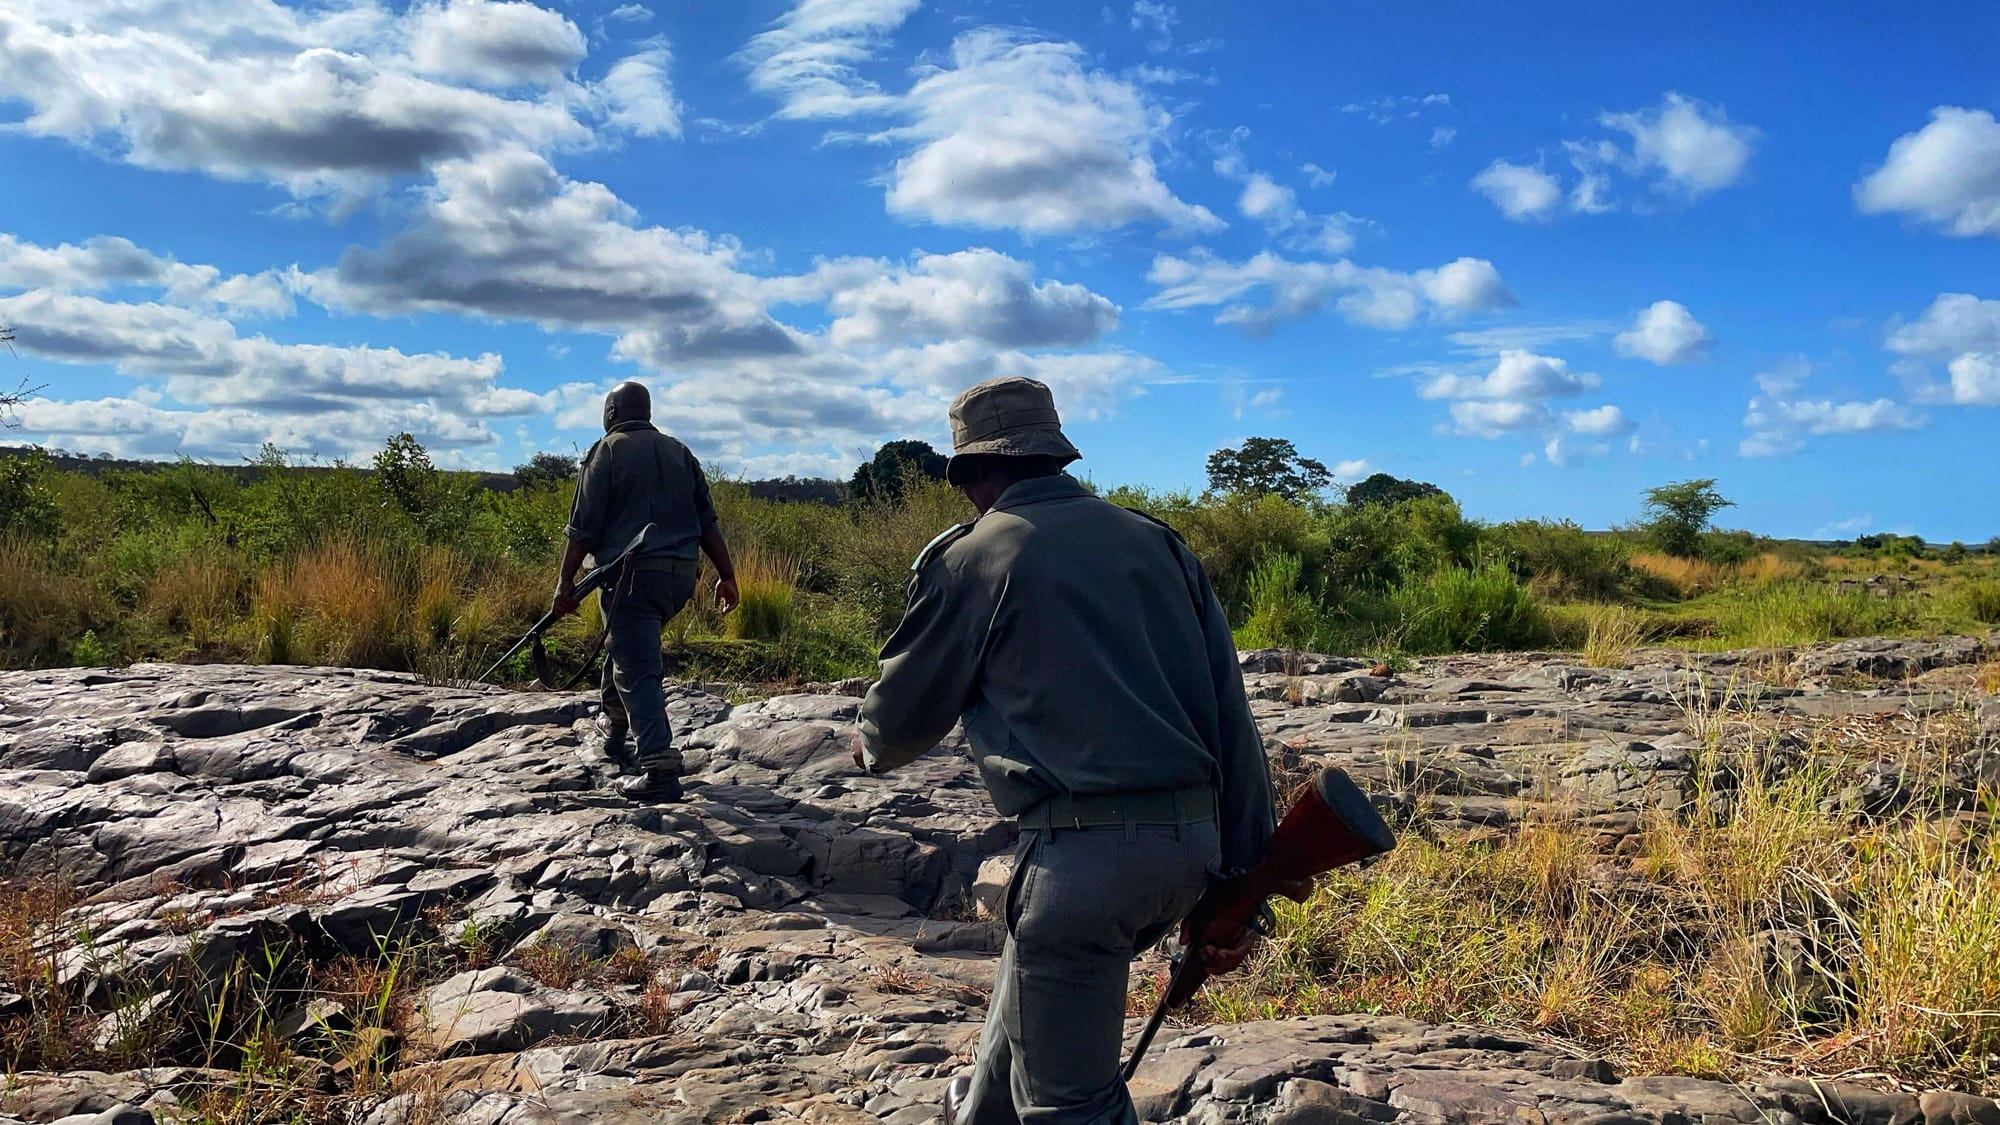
[{"x": 822, "y": 943}]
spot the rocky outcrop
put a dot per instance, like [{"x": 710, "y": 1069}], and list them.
[{"x": 796, "y": 941}]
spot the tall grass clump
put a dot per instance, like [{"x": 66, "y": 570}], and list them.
[
  {"x": 766, "y": 586},
  {"x": 199, "y": 595},
  {"x": 1282, "y": 613},
  {"x": 1979, "y": 600},
  {"x": 335, "y": 603},
  {"x": 1797, "y": 613},
  {"x": 1459, "y": 609},
  {"x": 1614, "y": 632},
  {"x": 1760, "y": 927}
]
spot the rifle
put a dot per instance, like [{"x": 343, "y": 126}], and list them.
[
  {"x": 1330, "y": 824},
  {"x": 591, "y": 580}
]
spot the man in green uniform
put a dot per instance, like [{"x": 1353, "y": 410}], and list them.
[
  {"x": 636, "y": 476},
  {"x": 1098, "y": 683}
]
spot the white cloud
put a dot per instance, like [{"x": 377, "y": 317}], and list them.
[
  {"x": 104, "y": 263},
  {"x": 1947, "y": 174},
  {"x": 1276, "y": 206},
  {"x": 1157, "y": 18},
  {"x": 1493, "y": 341},
  {"x": 1963, "y": 333},
  {"x": 503, "y": 43},
  {"x": 1494, "y": 419},
  {"x": 1975, "y": 379},
  {"x": 1008, "y": 132},
  {"x": 1442, "y": 136},
  {"x": 1520, "y": 191},
  {"x": 630, "y": 13},
  {"x": 978, "y": 294},
  {"x": 809, "y": 57},
  {"x": 1267, "y": 201},
  {"x": 1665, "y": 333},
  {"x": 1519, "y": 376},
  {"x": 317, "y": 100},
  {"x": 1387, "y": 108},
  {"x": 1377, "y": 297},
  {"x": 1682, "y": 148},
  {"x": 1317, "y": 176},
  {"x": 638, "y": 96},
  {"x": 1692, "y": 144},
  {"x": 1016, "y": 133},
  {"x": 1778, "y": 420},
  {"x": 238, "y": 392},
  {"x": 506, "y": 236},
  {"x": 1602, "y": 421},
  {"x": 1352, "y": 470},
  {"x": 1512, "y": 399}
]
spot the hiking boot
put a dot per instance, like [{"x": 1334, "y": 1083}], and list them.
[
  {"x": 954, "y": 1097},
  {"x": 661, "y": 786},
  {"x": 613, "y": 741}
]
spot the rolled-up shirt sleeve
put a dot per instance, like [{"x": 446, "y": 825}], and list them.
[
  {"x": 929, "y": 668},
  {"x": 591, "y": 506}
]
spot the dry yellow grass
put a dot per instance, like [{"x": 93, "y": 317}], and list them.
[
  {"x": 1988, "y": 677},
  {"x": 198, "y": 595},
  {"x": 1692, "y": 577},
  {"x": 1759, "y": 929},
  {"x": 334, "y": 604},
  {"x": 1614, "y": 632}
]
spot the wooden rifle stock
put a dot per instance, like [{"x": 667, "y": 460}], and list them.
[{"x": 1331, "y": 824}]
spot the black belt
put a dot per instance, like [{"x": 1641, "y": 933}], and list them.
[{"x": 1146, "y": 806}]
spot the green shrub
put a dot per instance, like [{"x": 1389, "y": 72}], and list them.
[
  {"x": 1798, "y": 613},
  {"x": 1282, "y": 613},
  {"x": 1980, "y": 600},
  {"x": 1562, "y": 560},
  {"x": 89, "y": 652},
  {"x": 1459, "y": 609},
  {"x": 27, "y": 507}
]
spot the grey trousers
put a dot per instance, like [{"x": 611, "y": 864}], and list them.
[
  {"x": 636, "y": 608},
  {"x": 1083, "y": 903}
]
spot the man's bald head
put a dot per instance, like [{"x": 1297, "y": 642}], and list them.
[{"x": 627, "y": 402}]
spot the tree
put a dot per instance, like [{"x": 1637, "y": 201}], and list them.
[
  {"x": 545, "y": 468},
  {"x": 405, "y": 472},
  {"x": 1266, "y": 467},
  {"x": 1388, "y": 491},
  {"x": 883, "y": 477},
  {"x": 1678, "y": 513},
  {"x": 26, "y": 505}
]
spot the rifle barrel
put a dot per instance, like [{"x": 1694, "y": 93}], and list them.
[
  {"x": 1188, "y": 964},
  {"x": 541, "y": 626}
]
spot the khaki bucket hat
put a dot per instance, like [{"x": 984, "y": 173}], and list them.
[{"x": 1010, "y": 417}]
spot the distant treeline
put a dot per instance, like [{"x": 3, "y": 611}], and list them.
[{"x": 798, "y": 490}]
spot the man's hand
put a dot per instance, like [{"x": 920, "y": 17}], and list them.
[
  {"x": 725, "y": 595},
  {"x": 564, "y": 603},
  {"x": 1225, "y": 952},
  {"x": 1227, "y": 956}
]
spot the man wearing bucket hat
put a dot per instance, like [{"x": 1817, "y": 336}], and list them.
[{"x": 1095, "y": 674}]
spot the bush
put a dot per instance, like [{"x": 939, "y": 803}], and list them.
[
  {"x": 1561, "y": 560},
  {"x": 1282, "y": 613},
  {"x": 1460, "y": 609},
  {"x": 1980, "y": 601},
  {"x": 26, "y": 506},
  {"x": 1798, "y": 613}
]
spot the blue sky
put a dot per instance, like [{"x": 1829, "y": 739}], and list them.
[{"x": 1543, "y": 257}]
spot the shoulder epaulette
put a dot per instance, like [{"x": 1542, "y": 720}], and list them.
[
  {"x": 1148, "y": 516},
  {"x": 945, "y": 539}
]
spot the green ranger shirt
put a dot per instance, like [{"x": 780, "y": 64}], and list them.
[
  {"x": 1084, "y": 649},
  {"x": 633, "y": 476}
]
